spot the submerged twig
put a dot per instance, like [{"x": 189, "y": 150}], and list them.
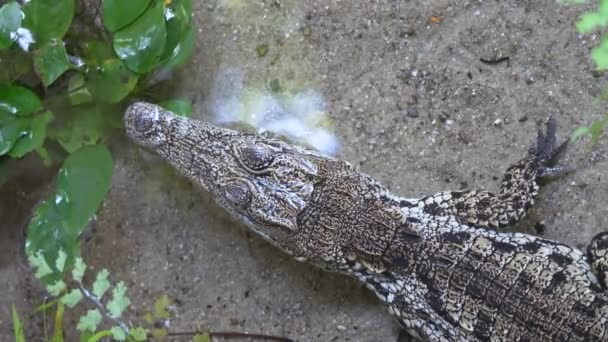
[{"x": 494, "y": 61}]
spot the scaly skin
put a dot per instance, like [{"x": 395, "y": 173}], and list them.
[{"x": 433, "y": 261}]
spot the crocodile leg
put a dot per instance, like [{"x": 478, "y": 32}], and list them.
[
  {"x": 518, "y": 188},
  {"x": 598, "y": 256}
]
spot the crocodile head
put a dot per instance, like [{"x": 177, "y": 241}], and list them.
[{"x": 263, "y": 181}]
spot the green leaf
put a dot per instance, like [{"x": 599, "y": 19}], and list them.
[
  {"x": 591, "y": 21},
  {"x": 38, "y": 262},
  {"x": 78, "y": 270},
  {"x": 101, "y": 284},
  {"x": 59, "y": 221},
  {"x": 89, "y": 321},
  {"x": 119, "y": 13},
  {"x": 56, "y": 288},
  {"x": 112, "y": 81},
  {"x": 159, "y": 334},
  {"x": 140, "y": 45},
  {"x": 599, "y": 54},
  {"x": 119, "y": 301},
  {"x": 48, "y": 19},
  {"x": 182, "y": 52},
  {"x": 139, "y": 334},
  {"x": 83, "y": 182},
  {"x": 60, "y": 262},
  {"x": 84, "y": 128},
  {"x": 160, "y": 307},
  {"x": 11, "y": 131},
  {"x": 10, "y": 21},
  {"x": 85, "y": 336},
  {"x": 178, "y": 107},
  {"x": 118, "y": 333},
  {"x": 18, "y": 101},
  {"x": 17, "y": 327},
  {"x": 95, "y": 52},
  {"x": 187, "y": 6},
  {"x": 34, "y": 138},
  {"x": 201, "y": 338},
  {"x": 178, "y": 22},
  {"x": 15, "y": 64},
  {"x": 72, "y": 298},
  {"x": 596, "y": 130},
  {"x": 77, "y": 91},
  {"x": 51, "y": 61},
  {"x": 16, "y": 106}
]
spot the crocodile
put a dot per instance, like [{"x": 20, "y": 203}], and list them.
[{"x": 443, "y": 264}]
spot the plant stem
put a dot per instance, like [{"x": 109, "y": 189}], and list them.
[{"x": 101, "y": 308}]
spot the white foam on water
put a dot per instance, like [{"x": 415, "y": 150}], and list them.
[{"x": 301, "y": 115}]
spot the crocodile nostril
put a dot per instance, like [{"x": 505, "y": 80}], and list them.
[{"x": 143, "y": 123}]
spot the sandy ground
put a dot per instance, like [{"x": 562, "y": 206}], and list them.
[{"x": 413, "y": 106}]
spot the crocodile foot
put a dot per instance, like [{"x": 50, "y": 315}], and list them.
[{"x": 547, "y": 152}]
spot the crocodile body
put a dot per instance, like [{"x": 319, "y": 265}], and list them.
[{"x": 441, "y": 263}]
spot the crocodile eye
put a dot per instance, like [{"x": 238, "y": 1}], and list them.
[
  {"x": 238, "y": 193},
  {"x": 256, "y": 157}
]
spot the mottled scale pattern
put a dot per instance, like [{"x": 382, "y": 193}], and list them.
[
  {"x": 485, "y": 209},
  {"x": 437, "y": 262}
]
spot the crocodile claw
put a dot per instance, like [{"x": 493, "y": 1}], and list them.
[{"x": 546, "y": 152}]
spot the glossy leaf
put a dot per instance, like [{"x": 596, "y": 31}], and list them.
[
  {"x": 84, "y": 128},
  {"x": 141, "y": 44},
  {"x": 96, "y": 52},
  {"x": 11, "y": 131},
  {"x": 112, "y": 81},
  {"x": 14, "y": 63},
  {"x": 187, "y": 6},
  {"x": 178, "y": 22},
  {"x": 59, "y": 221},
  {"x": 18, "y": 101},
  {"x": 34, "y": 137},
  {"x": 182, "y": 52},
  {"x": 119, "y": 13},
  {"x": 10, "y": 21},
  {"x": 48, "y": 19},
  {"x": 77, "y": 90},
  {"x": 178, "y": 107},
  {"x": 50, "y": 61}
]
